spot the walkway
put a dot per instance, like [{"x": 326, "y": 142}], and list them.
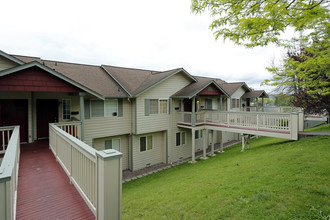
[{"x": 44, "y": 190}]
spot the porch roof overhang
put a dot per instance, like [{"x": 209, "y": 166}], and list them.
[
  {"x": 231, "y": 88},
  {"x": 255, "y": 94},
  {"x": 52, "y": 72},
  {"x": 195, "y": 88}
]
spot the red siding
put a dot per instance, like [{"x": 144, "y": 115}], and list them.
[
  {"x": 35, "y": 80},
  {"x": 211, "y": 90}
]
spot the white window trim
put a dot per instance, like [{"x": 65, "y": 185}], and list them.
[
  {"x": 63, "y": 109},
  {"x": 90, "y": 109},
  {"x": 152, "y": 147}
]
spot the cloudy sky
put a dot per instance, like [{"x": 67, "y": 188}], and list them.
[{"x": 147, "y": 34}]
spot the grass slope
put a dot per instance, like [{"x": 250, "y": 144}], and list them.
[{"x": 275, "y": 179}]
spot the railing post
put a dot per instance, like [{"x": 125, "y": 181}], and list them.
[
  {"x": 301, "y": 121},
  {"x": 109, "y": 184},
  {"x": 294, "y": 126}
]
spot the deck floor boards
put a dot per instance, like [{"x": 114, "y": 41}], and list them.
[{"x": 44, "y": 190}]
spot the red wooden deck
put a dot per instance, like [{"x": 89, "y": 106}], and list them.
[{"x": 44, "y": 190}]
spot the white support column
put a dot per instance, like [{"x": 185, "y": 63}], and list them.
[
  {"x": 205, "y": 140},
  {"x": 221, "y": 143},
  {"x": 82, "y": 115},
  {"x": 193, "y": 160},
  {"x": 245, "y": 140},
  {"x": 109, "y": 184},
  {"x": 212, "y": 143},
  {"x": 193, "y": 112}
]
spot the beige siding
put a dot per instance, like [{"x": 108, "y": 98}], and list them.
[
  {"x": 6, "y": 64},
  {"x": 99, "y": 144},
  {"x": 108, "y": 126},
  {"x": 237, "y": 95},
  {"x": 164, "y": 90},
  {"x": 150, "y": 157}
]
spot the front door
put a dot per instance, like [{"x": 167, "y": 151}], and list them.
[
  {"x": 15, "y": 112},
  {"x": 47, "y": 112}
]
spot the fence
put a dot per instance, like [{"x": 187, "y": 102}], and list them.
[
  {"x": 9, "y": 172},
  {"x": 97, "y": 175}
]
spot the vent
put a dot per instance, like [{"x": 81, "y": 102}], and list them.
[{"x": 148, "y": 164}]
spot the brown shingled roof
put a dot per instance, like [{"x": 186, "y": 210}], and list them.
[
  {"x": 137, "y": 81},
  {"x": 92, "y": 77},
  {"x": 195, "y": 87},
  {"x": 230, "y": 88},
  {"x": 255, "y": 94}
]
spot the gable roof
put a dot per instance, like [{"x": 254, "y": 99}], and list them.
[
  {"x": 137, "y": 81},
  {"x": 92, "y": 77},
  {"x": 231, "y": 88},
  {"x": 51, "y": 71},
  {"x": 255, "y": 94},
  {"x": 196, "y": 87},
  {"x": 11, "y": 58}
]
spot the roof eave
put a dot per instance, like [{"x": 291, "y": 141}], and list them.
[
  {"x": 51, "y": 71},
  {"x": 11, "y": 58},
  {"x": 162, "y": 80}
]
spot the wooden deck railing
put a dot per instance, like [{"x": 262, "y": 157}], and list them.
[
  {"x": 285, "y": 123},
  {"x": 5, "y": 133},
  {"x": 9, "y": 172},
  {"x": 72, "y": 127},
  {"x": 97, "y": 175}
]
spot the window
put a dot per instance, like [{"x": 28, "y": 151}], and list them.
[
  {"x": 163, "y": 106},
  {"x": 97, "y": 108},
  {"x": 156, "y": 106},
  {"x": 66, "y": 109},
  {"x": 180, "y": 138},
  {"x": 235, "y": 103},
  {"x": 112, "y": 144},
  {"x": 153, "y": 106},
  {"x": 111, "y": 107},
  {"x": 211, "y": 103},
  {"x": 107, "y": 108},
  {"x": 198, "y": 134},
  {"x": 146, "y": 143}
]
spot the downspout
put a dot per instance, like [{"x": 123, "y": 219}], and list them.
[
  {"x": 166, "y": 147},
  {"x": 32, "y": 116}
]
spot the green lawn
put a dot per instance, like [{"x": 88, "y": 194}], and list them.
[
  {"x": 275, "y": 179},
  {"x": 325, "y": 127}
]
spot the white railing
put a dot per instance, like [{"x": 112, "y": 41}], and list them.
[
  {"x": 186, "y": 117},
  {"x": 275, "y": 109},
  {"x": 9, "y": 174},
  {"x": 97, "y": 175},
  {"x": 286, "y": 123},
  {"x": 5, "y": 133},
  {"x": 72, "y": 127}
]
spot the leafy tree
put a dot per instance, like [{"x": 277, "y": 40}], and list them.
[
  {"x": 304, "y": 72},
  {"x": 260, "y": 22}
]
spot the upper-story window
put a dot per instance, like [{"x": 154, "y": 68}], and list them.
[
  {"x": 234, "y": 103},
  {"x": 66, "y": 109},
  {"x": 211, "y": 104},
  {"x": 156, "y": 106},
  {"x": 107, "y": 108}
]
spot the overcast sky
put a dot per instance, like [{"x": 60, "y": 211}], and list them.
[{"x": 147, "y": 34}]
